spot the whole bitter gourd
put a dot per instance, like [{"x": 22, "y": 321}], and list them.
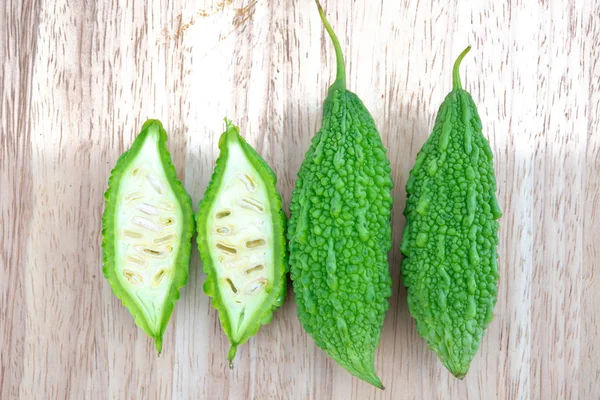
[
  {"x": 147, "y": 229},
  {"x": 339, "y": 231},
  {"x": 450, "y": 268},
  {"x": 241, "y": 238}
]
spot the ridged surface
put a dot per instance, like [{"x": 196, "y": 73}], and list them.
[
  {"x": 450, "y": 240},
  {"x": 339, "y": 232}
]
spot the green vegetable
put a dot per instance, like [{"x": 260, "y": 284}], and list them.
[
  {"x": 450, "y": 267},
  {"x": 241, "y": 239},
  {"x": 147, "y": 229},
  {"x": 339, "y": 231}
]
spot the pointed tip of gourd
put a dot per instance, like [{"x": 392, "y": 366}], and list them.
[
  {"x": 460, "y": 375},
  {"x": 374, "y": 380},
  {"x": 459, "y": 372},
  {"x": 152, "y": 122},
  {"x": 456, "y": 84},
  {"x": 231, "y": 131},
  {"x": 231, "y": 355},
  {"x": 340, "y": 79},
  {"x": 158, "y": 344}
]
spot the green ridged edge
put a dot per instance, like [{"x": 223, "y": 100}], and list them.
[
  {"x": 277, "y": 296},
  {"x": 108, "y": 224}
]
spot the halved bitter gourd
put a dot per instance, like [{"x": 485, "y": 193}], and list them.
[
  {"x": 147, "y": 228},
  {"x": 241, "y": 240}
]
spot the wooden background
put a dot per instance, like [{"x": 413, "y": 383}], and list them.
[{"x": 79, "y": 77}]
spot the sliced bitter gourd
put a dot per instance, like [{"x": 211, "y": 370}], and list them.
[
  {"x": 241, "y": 240},
  {"x": 147, "y": 229}
]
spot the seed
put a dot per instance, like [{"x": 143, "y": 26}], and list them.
[
  {"x": 256, "y": 286},
  {"x": 147, "y": 209},
  {"x": 248, "y": 182},
  {"x": 133, "y": 196},
  {"x": 132, "y": 234},
  {"x": 155, "y": 183},
  {"x": 138, "y": 261},
  {"x": 155, "y": 252},
  {"x": 165, "y": 239},
  {"x": 224, "y": 231},
  {"x": 159, "y": 277},
  {"x": 166, "y": 221},
  {"x": 258, "y": 267},
  {"x": 226, "y": 248},
  {"x": 223, "y": 214},
  {"x": 165, "y": 205},
  {"x": 251, "y": 204},
  {"x": 145, "y": 223},
  {"x": 231, "y": 285},
  {"x": 255, "y": 243},
  {"x": 133, "y": 277}
]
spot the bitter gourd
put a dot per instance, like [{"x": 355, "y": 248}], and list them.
[
  {"x": 450, "y": 268},
  {"x": 339, "y": 231},
  {"x": 147, "y": 229},
  {"x": 241, "y": 228}
]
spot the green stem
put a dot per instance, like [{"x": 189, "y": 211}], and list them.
[
  {"x": 340, "y": 79},
  {"x": 455, "y": 74}
]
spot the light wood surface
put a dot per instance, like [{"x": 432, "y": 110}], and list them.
[{"x": 78, "y": 79}]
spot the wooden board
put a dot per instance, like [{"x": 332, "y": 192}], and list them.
[{"x": 78, "y": 79}]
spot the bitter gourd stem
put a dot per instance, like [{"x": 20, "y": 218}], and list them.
[
  {"x": 455, "y": 73},
  {"x": 340, "y": 79}
]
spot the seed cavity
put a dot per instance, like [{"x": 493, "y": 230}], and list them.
[
  {"x": 137, "y": 261},
  {"x": 231, "y": 285},
  {"x": 256, "y": 268},
  {"x": 155, "y": 183},
  {"x": 256, "y": 286},
  {"x": 251, "y": 204},
  {"x": 147, "y": 209},
  {"x": 145, "y": 223},
  {"x": 166, "y": 221},
  {"x": 135, "y": 171},
  {"x": 165, "y": 239},
  {"x": 223, "y": 214},
  {"x": 133, "y": 196},
  {"x": 133, "y": 277},
  {"x": 226, "y": 248},
  {"x": 255, "y": 243},
  {"x": 158, "y": 277},
  {"x": 131, "y": 234},
  {"x": 248, "y": 182}
]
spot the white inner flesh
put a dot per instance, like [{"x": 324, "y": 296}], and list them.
[
  {"x": 240, "y": 239},
  {"x": 148, "y": 225}
]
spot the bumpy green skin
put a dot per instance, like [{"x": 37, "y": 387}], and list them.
[
  {"x": 211, "y": 285},
  {"x": 339, "y": 233},
  {"x": 450, "y": 267},
  {"x": 108, "y": 232}
]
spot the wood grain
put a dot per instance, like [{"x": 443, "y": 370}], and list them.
[{"x": 78, "y": 78}]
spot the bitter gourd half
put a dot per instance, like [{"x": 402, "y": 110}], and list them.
[
  {"x": 147, "y": 229},
  {"x": 339, "y": 231},
  {"x": 241, "y": 240},
  {"x": 450, "y": 268}
]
